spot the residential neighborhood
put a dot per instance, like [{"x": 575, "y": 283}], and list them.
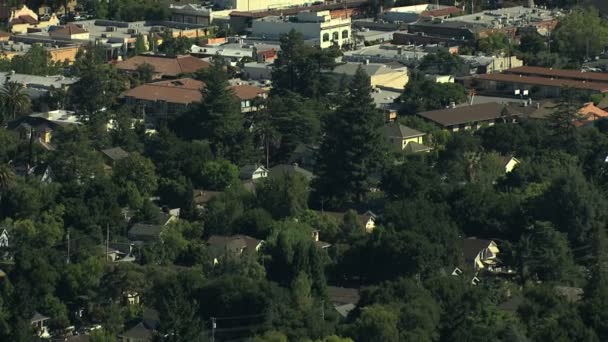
[{"x": 303, "y": 170}]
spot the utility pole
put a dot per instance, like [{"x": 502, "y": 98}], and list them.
[
  {"x": 68, "y": 238},
  {"x": 213, "y": 326}
]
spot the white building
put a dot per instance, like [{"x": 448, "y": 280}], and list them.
[
  {"x": 318, "y": 27},
  {"x": 254, "y": 5}
]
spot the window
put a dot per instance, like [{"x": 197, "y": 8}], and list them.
[
  {"x": 325, "y": 37},
  {"x": 335, "y": 36},
  {"x": 344, "y": 34}
]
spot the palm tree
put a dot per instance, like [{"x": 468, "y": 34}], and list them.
[{"x": 14, "y": 100}]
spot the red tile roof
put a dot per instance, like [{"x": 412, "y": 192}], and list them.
[
  {"x": 247, "y": 92},
  {"x": 70, "y": 29},
  {"x": 442, "y": 12},
  {"x": 558, "y": 73},
  {"x": 184, "y": 91},
  {"x": 167, "y": 66}
]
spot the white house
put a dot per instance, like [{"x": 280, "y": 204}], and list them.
[
  {"x": 318, "y": 27},
  {"x": 4, "y": 239}
]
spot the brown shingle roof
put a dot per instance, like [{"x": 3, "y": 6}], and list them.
[
  {"x": 167, "y": 66},
  {"x": 70, "y": 29},
  {"x": 558, "y": 73},
  {"x": 441, "y": 12},
  {"x": 233, "y": 243},
  {"x": 475, "y": 113},
  {"x": 472, "y": 247},
  {"x": 545, "y": 81},
  {"x": 183, "y": 90},
  {"x": 24, "y": 19},
  {"x": 247, "y": 92}
]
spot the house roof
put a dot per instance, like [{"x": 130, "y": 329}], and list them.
[
  {"x": 505, "y": 159},
  {"x": 371, "y": 69},
  {"x": 115, "y": 153},
  {"x": 343, "y": 295},
  {"x": 474, "y": 113},
  {"x": 38, "y": 317},
  {"x": 183, "y": 90},
  {"x": 572, "y": 294},
  {"x": 167, "y": 66},
  {"x": 338, "y": 217},
  {"x": 233, "y": 243},
  {"x": 591, "y": 111},
  {"x": 414, "y": 147},
  {"x": 143, "y": 229},
  {"x": 558, "y": 73},
  {"x": 283, "y": 169},
  {"x": 397, "y": 130},
  {"x": 246, "y": 171},
  {"x": 441, "y": 12},
  {"x": 69, "y": 30},
  {"x": 545, "y": 81},
  {"x": 247, "y": 92},
  {"x": 205, "y": 196},
  {"x": 139, "y": 331},
  {"x": 472, "y": 247},
  {"x": 24, "y": 19}
]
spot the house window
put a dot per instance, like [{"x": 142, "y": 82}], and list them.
[
  {"x": 335, "y": 36},
  {"x": 344, "y": 34},
  {"x": 325, "y": 37}
]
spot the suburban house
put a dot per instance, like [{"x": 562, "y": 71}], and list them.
[
  {"x": 119, "y": 252},
  {"x": 247, "y": 94},
  {"x": 145, "y": 330},
  {"x": 145, "y": 232},
  {"x": 114, "y": 154},
  {"x": 39, "y": 322},
  {"x": 476, "y": 116},
  {"x": 253, "y": 172},
  {"x": 287, "y": 169},
  {"x": 319, "y": 28},
  {"x": 202, "y": 197},
  {"x": 344, "y": 299},
  {"x": 380, "y": 75},
  {"x": 163, "y": 99},
  {"x": 40, "y": 126},
  {"x": 235, "y": 245},
  {"x": 542, "y": 82},
  {"x": 318, "y": 242},
  {"x": 480, "y": 254},
  {"x": 38, "y": 87},
  {"x": 24, "y": 20},
  {"x": 69, "y": 31},
  {"x": 589, "y": 113},
  {"x": 509, "y": 163},
  {"x": 366, "y": 221},
  {"x": 402, "y": 138},
  {"x": 164, "y": 66}
]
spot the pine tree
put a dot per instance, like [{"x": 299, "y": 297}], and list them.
[
  {"x": 352, "y": 146},
  {"x": 595, "y": 302},
  {"x": 217, "y": 118}
]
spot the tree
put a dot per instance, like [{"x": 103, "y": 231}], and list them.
[
  {"x": 145, "y": 72},
  {"x": 415, "y": 95},
  {"x": 298, "y": 68},
  {"x": 443, "y": 63},
  {"x": 376, "y": 323},
  {"x": 140, "y": 45},
  {"x": 137, "y": 170},
  {"x": 218, "y": 118},
  {"x": 494, "y": 43},
  {"x": 219, "y": 174},
  {"x": 352, "y": 147},
  {"x": 7, "y": 178},
  {"x": 581, "y": 35},
  {"x": 283, "y": 196},
  {"x": 173, "y": 46},
  {"x": 37, "y": 61},
  {"x": 14, "y": 100}
]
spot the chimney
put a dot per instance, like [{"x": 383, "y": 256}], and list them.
[
  {"x": 452, "y": 104},
  {"x": 315, "y": 235}
]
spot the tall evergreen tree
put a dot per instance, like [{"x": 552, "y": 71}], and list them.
[
  {"x": 217, "y": 118},
  {"x": 351, "y": 150}
]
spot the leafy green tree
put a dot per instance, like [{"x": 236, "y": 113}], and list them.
[
  {"x": 351, "y": 150},
  {"x": 7, "y": 178},
  {"x": 14, "y": 101},
  {"x": 145, "y": 72},
  {"x": 37, "y": 61},
  {"x": 137, "y": 170},
  {"x": 443, "y": 63},
  {"x": 298, "y": 68},
  {"x": 494, "y": 43},
  {"x": 140, "y": 45},
  {"x": 582, "y": 34},
  {"x": 596, "y": 291},
  {"x": 532, "y": 43},
  {"x": 283, "y": 196},
  {"x": 376, "y": 323},
  {"x": 174, "y": 46},
  {"x": 219, "y": 174},
  {"x": 415, "y": 95}
]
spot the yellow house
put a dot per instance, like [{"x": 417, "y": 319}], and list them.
[
  {"x": 480, "y": 254},
  {"x": 24, "y": 19},
  {"x": 509, "y": 163},
  {"x": 401, "y": 137}
]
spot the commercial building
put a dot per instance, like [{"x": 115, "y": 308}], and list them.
[
  {"x": 24, "y": 20},
  {"x": 191, "y": 14},
  {"x": 256, "y": 5},
  {"x": 317, "y": 27},
  {"x": 542, "y": 82},
  {"x": 410, "y": 14},
  {"x": 380, "y": 75}
]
